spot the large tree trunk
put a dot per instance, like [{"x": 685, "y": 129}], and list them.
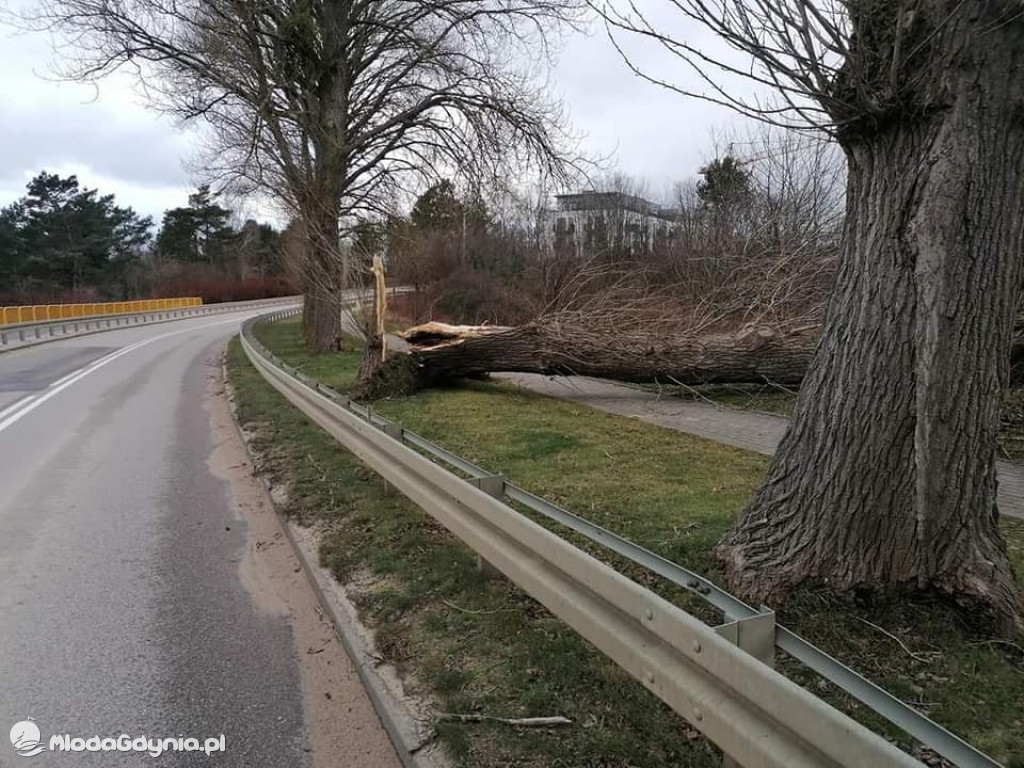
[
  {"x": 323, "y": 275},
  {"x": 321, "y": 320},
  {"x": 756, "y": 354},
  {"x": 442, "y": 353},
  {"x": 886, "y": 480}
]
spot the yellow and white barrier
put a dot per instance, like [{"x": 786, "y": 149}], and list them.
[{"x": 43, "y": 312}]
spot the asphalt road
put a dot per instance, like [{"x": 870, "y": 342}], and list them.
[{"x": 124, "y": 608}]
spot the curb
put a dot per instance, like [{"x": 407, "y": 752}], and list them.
[{"x": 398, "y": 722}]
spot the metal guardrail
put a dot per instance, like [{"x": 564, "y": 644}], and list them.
[
  {"x": 29, "y": 334},
  {"x": 755, "y": 715},
  {"x": 926, "y": 731}
]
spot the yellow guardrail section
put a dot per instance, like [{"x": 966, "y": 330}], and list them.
[{"x": 43, "y": 312}]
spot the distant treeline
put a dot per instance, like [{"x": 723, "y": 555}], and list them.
[{"x": 65, "y": 243}]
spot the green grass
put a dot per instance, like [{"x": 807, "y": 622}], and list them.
[
  {"x": 478, "y": 645},
  {"x": 470, "y": 644}
]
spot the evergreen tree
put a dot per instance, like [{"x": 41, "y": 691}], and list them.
[
  {"x": 724, "y": 183},
  {"x": 60, "y": 236},
  {"x": 199, "y": 232},
  {"x": 440, "y": 210}
]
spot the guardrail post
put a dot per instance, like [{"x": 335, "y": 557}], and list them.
[
  {"x": 756, "y": 636},
  {"x": 3, "y": 339},
  {"x": 492, "y": 485},
  {"x": 392, "y": 430},
  {"x": 37, "y": 332},
  {"x": 21, "y": 336}
]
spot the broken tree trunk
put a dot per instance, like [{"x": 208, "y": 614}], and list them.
[{"x": 442, "y": 352}]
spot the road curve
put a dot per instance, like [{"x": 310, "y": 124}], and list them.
[{"x": 130, "y": 598}]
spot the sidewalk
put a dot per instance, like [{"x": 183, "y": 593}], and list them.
[{"x": 743, "y": 429}]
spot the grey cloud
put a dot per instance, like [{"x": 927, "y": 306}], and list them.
[
  {"x": 653, "y": 134},
  {"x": 138, "y": 151}
]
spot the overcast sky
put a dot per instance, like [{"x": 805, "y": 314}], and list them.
[{"x": 114, "y": 143}]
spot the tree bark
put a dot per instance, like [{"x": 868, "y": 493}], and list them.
[
  {"x": 323, "y": 273},
  {"x": 886, "y": 479},
  {"x": 321, "y": 320},
  {"x": 756, "y": 354}
]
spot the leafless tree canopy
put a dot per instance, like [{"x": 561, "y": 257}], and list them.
[
  {"x": 835, "y": 65},
  {"x": 390, "y": 90},
  {"x": 336, "y": 108}
]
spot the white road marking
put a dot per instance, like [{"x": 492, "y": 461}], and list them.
[
  {"x": 61, "y": 384},
  {"x": 15, "y": 405}
]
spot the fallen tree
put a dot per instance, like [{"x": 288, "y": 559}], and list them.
[{"x": 438, "y": 353}]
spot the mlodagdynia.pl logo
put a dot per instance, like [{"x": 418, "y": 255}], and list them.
[{"x": 25, "y": 738}]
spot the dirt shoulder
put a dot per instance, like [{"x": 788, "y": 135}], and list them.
[{"x": 342, "y": 727}]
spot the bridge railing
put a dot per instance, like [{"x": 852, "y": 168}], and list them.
[
  {"x": 31, "y": 333},
  {"x": 38, "y": 313}
]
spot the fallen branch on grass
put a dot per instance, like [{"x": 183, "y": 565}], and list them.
[
  {"x": 927, "y": 658},
  {"x": 518, "y": 722},
  {"x": 474, "y": 613}
]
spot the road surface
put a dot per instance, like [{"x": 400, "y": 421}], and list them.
[{"x": 144, "y": 585}]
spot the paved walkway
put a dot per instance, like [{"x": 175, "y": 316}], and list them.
[{"x": 744, "y": 429}]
